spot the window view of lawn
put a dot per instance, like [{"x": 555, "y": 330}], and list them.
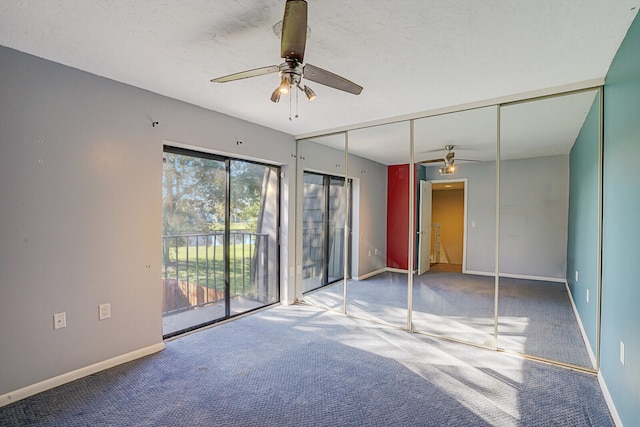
[{"x": 202, "y": 262}]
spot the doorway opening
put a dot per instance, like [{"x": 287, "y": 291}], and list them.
[
  {"x": 220, "y": 254},
  {"x": 442, "y": 226}
]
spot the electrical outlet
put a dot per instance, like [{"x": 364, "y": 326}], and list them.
[
  {"x": 104, "y": 311},
  {"x": 59, "y": 320},
  {"x": 587, "y": 295},
  {"x": 376, "y": 251},
  {"x": 576, "y": 275},
  {"x": 369, "y": 252},
  {"x": 621, "y": 352}
]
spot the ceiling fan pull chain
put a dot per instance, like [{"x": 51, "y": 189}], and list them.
[
  {"x": 296, "y": 104},
  {"x": 289, "y": 105}
]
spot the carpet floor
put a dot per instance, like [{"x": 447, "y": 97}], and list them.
[
  {"x": 535, "y": 318},
  {"x": 304, "y": 366}
]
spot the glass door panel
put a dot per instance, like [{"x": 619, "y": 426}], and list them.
[
  {"x": 313, "y": 232},
  {"x": 339, "y": 217},
  {"x": 253, "y": 235},
  {"x": 193, "y": 241}
]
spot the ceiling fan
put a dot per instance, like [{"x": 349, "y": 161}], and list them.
[
  {"x": 292, "y": 70},
  {"x": 449, "y": 167}
]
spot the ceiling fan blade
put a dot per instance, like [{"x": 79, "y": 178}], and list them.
[
  {"x": 433, "y": 150},
  {"x": 327, "y": 78},
  {"x": 246, "y": 74},
  {"x": 294, "y": 30},
  {"x": 432, "y": 161}
]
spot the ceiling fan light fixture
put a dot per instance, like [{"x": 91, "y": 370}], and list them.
[
  {"x": 275, "y": 96},
  {"x": 284, "y": 85},
  {"x": 447, "y": 170},
  {"x": 311, "y": 95}
]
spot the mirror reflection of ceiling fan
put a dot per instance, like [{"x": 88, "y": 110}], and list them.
[
  {"x": 292, "y": 70},
  {"x": 449, "y": 167}
]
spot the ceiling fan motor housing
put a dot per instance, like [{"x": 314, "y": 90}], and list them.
[{"x": 291, "y": 70}]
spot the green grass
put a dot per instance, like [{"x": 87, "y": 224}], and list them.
[{"x": 204, "y": 266}]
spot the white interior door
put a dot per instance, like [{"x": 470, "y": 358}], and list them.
[{"x": 424, "y": 233}]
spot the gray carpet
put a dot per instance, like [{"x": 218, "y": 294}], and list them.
[
  {"x": 303, "y": 366},
  {"x": 535, "y": 318}
]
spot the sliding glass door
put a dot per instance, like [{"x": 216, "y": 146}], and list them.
[
  {"x": 219, "y": 245},
  {"x": 324, "y": 218}
]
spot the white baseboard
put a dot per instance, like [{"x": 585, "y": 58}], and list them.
[
  {"x": 41, "y": 386},
  {"x": 609, "y": 400},
  {"x": 396, "y": 270},
  {"x": 516, "y": 276},
  {"x": 371, "y": 274},
  {"x": 581, "y": 326}
]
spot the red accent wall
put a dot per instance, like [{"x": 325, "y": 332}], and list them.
[{"x": 397, "y": 216}]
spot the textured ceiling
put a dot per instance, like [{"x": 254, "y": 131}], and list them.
[{"x": 411, "y": 56}]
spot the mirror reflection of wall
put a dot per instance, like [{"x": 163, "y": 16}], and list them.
[{"x": 543, "y": 143}]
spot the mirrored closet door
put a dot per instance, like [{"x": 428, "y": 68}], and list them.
[
  {"x": 549, "y": 210},
  {"x": 379, "y": 167},
  {"x": 323, "y": 219},
  {"x": 455, "y": 203}
]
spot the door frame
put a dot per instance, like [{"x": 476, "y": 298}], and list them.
[{"x": 465, "y": 181}]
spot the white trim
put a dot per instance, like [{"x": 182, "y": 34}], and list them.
[
  {"x": 370, "y": 274},
  {"x": 45, "y": 385},
  {"x": 609, "y": 400},
  {"x": 581, "y": 326},
  {"x": 396, "y": 270},
  {"x": 517, "y": 276},
  {"x": 586, "y": 84}
]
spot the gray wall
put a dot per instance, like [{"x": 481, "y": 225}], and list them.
[
  {"x": 533, "y": 216},
  {"x": 80, "y": 212},
  {"x": 370, "y": 188},
  {"x": 534, "y": 210}
]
